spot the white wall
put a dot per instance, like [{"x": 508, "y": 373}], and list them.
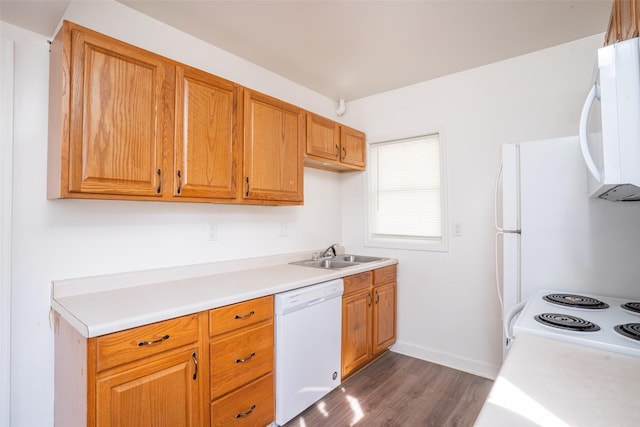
[
  {"x": 530, "y": 97},
  {"x": 448, "y": 311},
  {"x": 74, "y": 238}
]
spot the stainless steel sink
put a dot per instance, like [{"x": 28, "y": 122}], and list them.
[
  {"x": 357, "y": 258},
  {"x": 331, "y": 264},
  {"x": 338, "y": 262}
]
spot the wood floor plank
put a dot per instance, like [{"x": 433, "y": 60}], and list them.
[{"x": 398, "y": 390}]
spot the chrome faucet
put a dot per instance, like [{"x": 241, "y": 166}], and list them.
[{"x": 332, "y": 248}]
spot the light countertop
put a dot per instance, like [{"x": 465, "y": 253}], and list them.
[
  {"x": 100, "y": 305},
  {"x": 544, "y": 382}
]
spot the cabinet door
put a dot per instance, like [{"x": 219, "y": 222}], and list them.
[
  {"x": 205, "y": 135},
  {"x": 353, "y": 147},
  {"x": 155, "y": 394},
  {"x": 356, "y": 331},
  {"x": 272, "y": 149},
  {"x": 384, "y": 317},
  {"x": 120, "y": 109},
  {"x": 323, "y": 138}
]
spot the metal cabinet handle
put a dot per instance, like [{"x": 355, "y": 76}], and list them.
[
  {"x": 246, "y": 359},
  {"x": 194, "y": 357},
  {"x": 159, "y": 340},
  {"x": 245, "y": 316},
  {"x": 248, "y": 187},
  {"x": 244, "y": 414},
  {"x": 159, "y": 181},
  {"x": 370, "y": 299},
  {"x": 179, "y": 181},
  {"x": 377, "y": 297},
  {"x": 337, "y": 151},
  {"x": 344, "y": 153}
]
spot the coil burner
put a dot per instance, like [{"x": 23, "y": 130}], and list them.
[
  {"x": 576, "y": 301},
  {"x": 629, "y": 330},
  {"x": 565, "y": 321},
  {"x": 632, "y": 306}
]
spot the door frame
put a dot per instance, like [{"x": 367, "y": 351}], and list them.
[{"x": 6, "y": 196}]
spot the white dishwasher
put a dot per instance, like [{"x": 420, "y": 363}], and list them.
[{"x": 308, "y": 346}]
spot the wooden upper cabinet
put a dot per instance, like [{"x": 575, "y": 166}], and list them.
[
  {"x": 332, "y": 146},
  {"x": 273, "y": 136},
  {"x": 113, "y": 115},
  {"x": 125, "y": 123},
  {"x": 624, "y": 21},
  {"x": 206, "y": 151},
  {"x": 323, "y": 137},
  {"x": 352, "y": 147}
]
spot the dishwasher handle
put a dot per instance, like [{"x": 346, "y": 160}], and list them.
[{"x": 316, "y": 301}]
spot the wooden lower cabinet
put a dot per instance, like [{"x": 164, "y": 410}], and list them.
[
  {"x": 164, "y": 392},
  {"x": 356, "y": 331},
  {"x": 147, "y": 376},
  {"x": 368, "y": 317},
  {"x": 209, "y": 368},
  {"x": 241, "y": 357},
  {"x": 384, "y": 317}
]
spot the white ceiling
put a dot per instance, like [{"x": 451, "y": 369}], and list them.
[{"x": 352, "y": 49}]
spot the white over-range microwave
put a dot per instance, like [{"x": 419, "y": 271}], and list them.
[{"x": 610, "y": 124}]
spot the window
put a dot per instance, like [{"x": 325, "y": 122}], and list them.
[{"x": 406, "y": 194}]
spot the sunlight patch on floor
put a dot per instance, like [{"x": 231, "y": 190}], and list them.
[
  {"x": 354, "y": 404},
  {"x": 322, "y": 407},
  {"x": 357, "y": 410}
]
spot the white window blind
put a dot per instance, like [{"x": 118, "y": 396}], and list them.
[{"x": 405, "y": 190}]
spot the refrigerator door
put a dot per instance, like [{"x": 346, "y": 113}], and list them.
[
  {"x": 510, "y": 242},
  {"x": 510, "y": 188}
]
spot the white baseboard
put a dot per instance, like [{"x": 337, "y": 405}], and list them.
[{"x": 456, "y": 362}]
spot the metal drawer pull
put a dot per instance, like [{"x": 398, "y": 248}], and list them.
[
  {"x": 194, "y": 356},
  {"x": 246, "y": 359},
  {"x": 370, "y": 298},
  {"x": 377, "y": 297},
  {"x": 244, "y": 414},
  {"x": 244, "y": 316},
  {"x": 337, "y": 151},
  {"x": 142, "y": 343}
]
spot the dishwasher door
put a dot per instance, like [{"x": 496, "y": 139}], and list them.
[{"x": 308, "y": 346}]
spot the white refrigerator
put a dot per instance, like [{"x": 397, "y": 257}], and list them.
[{"x": 553, "y": 236}]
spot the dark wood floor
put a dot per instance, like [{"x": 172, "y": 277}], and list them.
[{"x": 398, "y": 390}]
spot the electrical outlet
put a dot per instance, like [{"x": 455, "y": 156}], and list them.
[
  {"x": 457, "y": 229},
  {"x": 212, "y": 232},
  {"x": 284, "y": 230}
]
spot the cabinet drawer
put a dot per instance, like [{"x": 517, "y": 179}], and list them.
[
  {"x": 133, "y": 344},
  {"x": 240, "y": 358},
  {"x": 252, "y": 405},
  {"x": 357, "y": 282},
  {"x": 385, "y": 274},
  {"x": 231, "y": 317}
]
